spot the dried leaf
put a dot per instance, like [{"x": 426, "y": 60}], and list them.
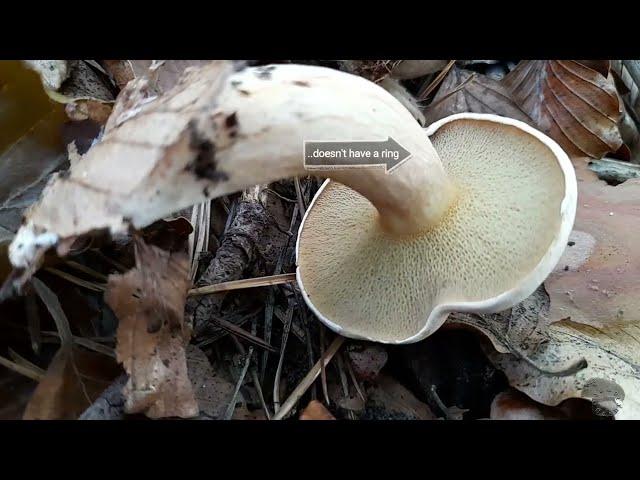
[
  {"x": 455, "y": 413},
  {"x": 89, "y": 110},
  {"x": 594, "y": 289},
  {"x": 466, "y": 91},
  {"x": 75, "y": 378},
  {"x": 554, "y": 362},
  {"x": 243, "y": 413},
  {"x": 212, "y": 390},
  {"x": 120, "y": 70},
  {"x": 30, "y": 145},
  {"x": 149, "y": 303},
  {"x": 518, "y": 330},
  {"x": 374, "y": 70},
  {"x": 67, "y": 81},
  {"x": 612, "y": 356},
  {"x": 15, "y": 392},
  {"x": 513, "y": 405},
  {"x": 575, "y": 105},
  {"x": 145, "y": 145},
  {"x": 597, "y": 280},
  {"x": 316, "y": 411},
  {"x": 408, "y": 69},
  {"x": 367, "y": 360},
  {"x": 52, "y": 72},
  {"x": 389, "y": 400},
  {"x": 164, "y": 74}
]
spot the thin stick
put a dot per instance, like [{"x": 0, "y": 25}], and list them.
[
  {"x": 424, "y": 93},
  {"x": 301, "y": 206},
  {"x": 307, "y": 336},
  {"x": 354, "y": 379},
  {"x": 454, "y": 91},
  {"x": 21, "y": 369},
  {"x": 50, "y": 299},
  {"x": 323, "y": 371},
  {"x": 295, "y": 329},
  {"x": 268, "y": 318},
  {"x": 344, "y": 382},
  {"x": 436, "y": 398},
  {"x": 87, "y": 343},
  {"x": 20, "y": 360},
  {"x": 309, "y": 378},
  {"x": 254, "y": 379},
  {"x": 96, "y": 287},
  {"x": 115, "y": 264},
  {"x": 283, "y": 346},
  {"x": 33, "y": 323},
  {"x": 269, "y": 306},
  {"x": 89, "y": 271},
  {"x": 232, "y": 404},
  {"x": 281, "y": 197},
  {"x": 244, "y": 283},
  {"x": 230, "y": 217},
  {"x": 294, "y": 217},
  {"x": 241, "y": 332}
]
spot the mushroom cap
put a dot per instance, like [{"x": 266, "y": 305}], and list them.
[{"x": 514, "y": 209}]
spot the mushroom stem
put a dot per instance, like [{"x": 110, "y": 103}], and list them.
[
  {"x": 219, "y": 132},
  {"x": 278, "y": 108}
]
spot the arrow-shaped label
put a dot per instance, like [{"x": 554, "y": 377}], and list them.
[{"x": 358, "y": 154}]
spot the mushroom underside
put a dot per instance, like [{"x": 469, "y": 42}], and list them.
[{"x": 495, "y": 238}]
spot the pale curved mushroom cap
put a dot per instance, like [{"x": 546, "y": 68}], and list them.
[{"x": 515, "y": 205}]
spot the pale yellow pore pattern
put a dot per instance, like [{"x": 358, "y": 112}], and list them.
[{"x": 510, "y": 188}]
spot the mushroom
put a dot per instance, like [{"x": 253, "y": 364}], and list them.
[
  {"x": 474, "y": 220},
  {"x": 502, "y": 233}
]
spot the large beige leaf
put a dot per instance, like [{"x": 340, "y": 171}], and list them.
[
  {"x": 587, "y": 328},
  {"x": 574, "y": 104},
  {"x": 466, "y": 91},
  {"x": 553, "y": 362},
  {"x": 149, "y": 303},
  {"x": 612, "y": 356}
]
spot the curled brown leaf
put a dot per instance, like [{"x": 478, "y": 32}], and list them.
[
  {"x": 572, "y": 102},
  {"x": 466, "y": 91},
  {"x": 149, "y": 303}
]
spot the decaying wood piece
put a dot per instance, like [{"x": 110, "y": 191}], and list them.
[
  {"x": 109, "y": 405},
  {"x": 614, "y": 171},
  {"x": 252, "y": 242},
  {"x": 149, "y": 302}
]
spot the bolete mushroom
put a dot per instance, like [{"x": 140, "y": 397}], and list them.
[
  {"x": 502, "y": 232},
  {"x": 474, "y": 220}
]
